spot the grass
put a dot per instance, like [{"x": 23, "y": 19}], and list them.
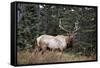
[{"x": 27, "y": 57}]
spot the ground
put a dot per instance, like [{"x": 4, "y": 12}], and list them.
[{"x": 27, "y": 57}]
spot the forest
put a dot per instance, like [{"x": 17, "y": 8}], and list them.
[{"x": 34, "y": 20}]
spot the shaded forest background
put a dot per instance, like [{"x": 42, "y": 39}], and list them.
[{"x": 34, "y": 20}]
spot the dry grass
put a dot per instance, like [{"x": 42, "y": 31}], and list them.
[{"x": 26, "y": 57}]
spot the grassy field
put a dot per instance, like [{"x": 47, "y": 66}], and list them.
[{"x": 27, "y": 57}]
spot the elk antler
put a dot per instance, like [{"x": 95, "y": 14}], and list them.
[
  {"x": 76, "y": 28},
  {"x": 62, "y": 26}
]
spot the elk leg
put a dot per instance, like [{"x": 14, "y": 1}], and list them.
[
  {"x": 61, "y": 49},
  {"x": 36, "y": 49},
  {"x": 44, "y": 49}
]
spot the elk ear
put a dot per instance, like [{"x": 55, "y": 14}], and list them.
[
  {"x": 75, "y": 33},
  {"x": 69, "y": 33}
]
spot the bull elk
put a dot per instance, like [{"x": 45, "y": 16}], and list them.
[{"x": 60, "y": 42}]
